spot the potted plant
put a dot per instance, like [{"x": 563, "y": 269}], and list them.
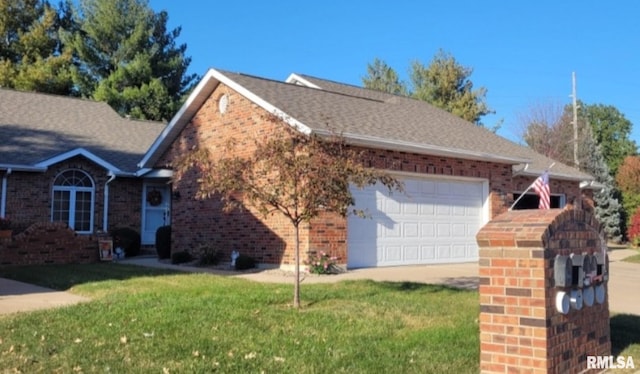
[{"x": 5, "y": 227}]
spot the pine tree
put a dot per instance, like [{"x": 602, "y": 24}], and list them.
[
  {"x": 608, "y": 209},
  {"x": 32, "y": 55},
  {"x": 129, "y": 59}
]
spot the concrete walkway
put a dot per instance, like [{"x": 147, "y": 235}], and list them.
[
  {"x": 20, "y": 297},
  {"x": 624, "y": 279}
]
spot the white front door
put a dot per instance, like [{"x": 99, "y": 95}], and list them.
[{"x": 156, "y": 204}]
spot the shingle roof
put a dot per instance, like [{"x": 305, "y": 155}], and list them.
[
  {"x": 36, "y": 127},
  {"x": 370, "y": 116},
  {"x": 368, "y": 112}
]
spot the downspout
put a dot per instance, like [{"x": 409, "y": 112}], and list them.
[
  {"x": 105, "y": 217},
  {"x": 3, "y": 198}
]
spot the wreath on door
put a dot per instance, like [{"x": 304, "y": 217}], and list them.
[{"x": 154, "y": 197}]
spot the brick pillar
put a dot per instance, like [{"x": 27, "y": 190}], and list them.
[{"x": 521, "y": 328}]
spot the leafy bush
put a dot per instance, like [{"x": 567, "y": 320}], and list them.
[
  {"x": 321, "y": 263},
  {"x": 181, "y": 257},
  {"x": 634, "y": 229},
  {"x": 128, "y": 239},
  {"x": 163, "y": 242},
  {"x": 244, "y": 262},
  {"x": 207, "y": 255}
]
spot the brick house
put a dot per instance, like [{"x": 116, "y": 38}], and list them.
[
  {"x": 75, "y": 161},
  {"x": 457, "y": 175}
]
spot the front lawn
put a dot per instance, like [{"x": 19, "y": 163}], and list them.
[
  {"x": 154, "y": 321},
  {"x": 633, "y": 258}
]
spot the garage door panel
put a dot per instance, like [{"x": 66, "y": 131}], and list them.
[
  {"x": 444, "y": 230},
  {"x": 459, "y": 230},
  {"x": 411, "y": 230},
  {"x": 427, "y": 253},
  {"x": 392, "y": 253},
  {"x": 411, "y": 208},
  {"x": 411, "y": 253},
  {"x": 427, "y": 229},
  {"x": 434, "y": 222},
  {"x": 427, "y": 209}
]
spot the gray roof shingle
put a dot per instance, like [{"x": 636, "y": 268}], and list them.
[
  {"x": 341, "y": 107},
  {"x": 368, "y": 116},
  {"x": 36, "y": 127}
]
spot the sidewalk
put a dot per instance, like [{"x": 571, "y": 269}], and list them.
[
  {"x": 17, "y": 296},
  {"x": 464, "y": 275}
]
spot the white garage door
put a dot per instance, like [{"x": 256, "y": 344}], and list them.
[{"x": 433, "y": 221}]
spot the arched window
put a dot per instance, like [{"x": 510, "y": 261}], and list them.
[{"x": 73, "y": 196}]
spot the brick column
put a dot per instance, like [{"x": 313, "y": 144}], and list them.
[{"x": 521, "y": 328}]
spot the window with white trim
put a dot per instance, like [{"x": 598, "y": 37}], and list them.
[{"x": 73, "y": 196}]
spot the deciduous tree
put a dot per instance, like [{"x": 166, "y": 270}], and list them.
[
  {"x": 549, "y": 130},
  {"x": 296, "y": 175},
  {"x": 611, "y": 131},
  {"x": 628, "y": 178}
]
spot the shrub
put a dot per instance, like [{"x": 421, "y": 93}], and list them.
[
  {"x": 163, "y": 242},
  {"x": 634, "y": 229},
  {"x": 244, "y": 262},
  {"x": 207, "y": 255},
  {"x": 321, "y": 263},
  {"x": 181, "y": 257},
  {"x": 128, "y": 239}
]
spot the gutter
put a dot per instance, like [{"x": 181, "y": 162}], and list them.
[
  {"x": 18, "y": 167},
  {"x": 3, "y": 198},
  {"x": 420, "y": 148},
  {"x": 105, "y": 216}
]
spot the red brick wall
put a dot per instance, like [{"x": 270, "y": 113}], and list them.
[
  {"x": 520, "y": 329},
  {"x": 197, "y": 222},
  {"x": 270, "y": 240},
  {"x": 48, "y": 243},
  {"x": 29, "y": 196}
]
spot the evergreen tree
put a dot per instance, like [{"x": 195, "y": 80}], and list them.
[
  {"x": 32, "y": 56},
  {"x": 446, "y": 84},
  {"x": 608, "y": 208},
  {"x": 381, "y": 77},
  {"x": 128, "y": 58}
]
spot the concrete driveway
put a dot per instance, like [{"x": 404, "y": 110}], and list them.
[{"x": 624, "y": 279}]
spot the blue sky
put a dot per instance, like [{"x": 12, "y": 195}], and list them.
[{"x": 522, "y": 52}]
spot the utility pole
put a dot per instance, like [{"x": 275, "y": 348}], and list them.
[{"x": 575, "y": 121}]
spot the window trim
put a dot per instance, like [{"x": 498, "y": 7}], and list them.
[{"x": 73, "y": 191}]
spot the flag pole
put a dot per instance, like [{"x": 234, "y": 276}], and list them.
[{"x": 528, "y": 188}]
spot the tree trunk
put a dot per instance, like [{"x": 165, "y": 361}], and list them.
[{"x": 296, "y": 285}]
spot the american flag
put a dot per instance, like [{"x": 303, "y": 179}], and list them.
[{"x": 541, "y": 186}]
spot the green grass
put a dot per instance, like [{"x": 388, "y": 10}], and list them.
[
  {"x": 151, "y": 321},
  {"x": 625, "y": 339},
  {"x": 633, "y": 258},
  {"x": 145, "y": 320}
]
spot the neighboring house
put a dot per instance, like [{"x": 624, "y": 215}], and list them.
[
  {"x": 75, "y": 161},
  {"x": 457, "y": 175}
]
